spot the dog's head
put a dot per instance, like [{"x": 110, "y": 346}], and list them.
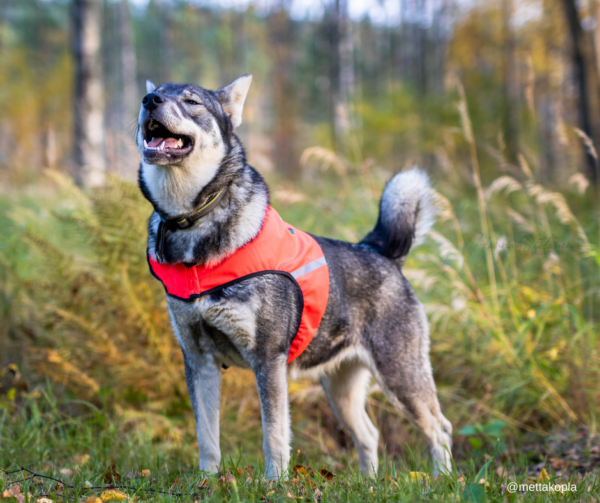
[{"x": 188, "y": 126}]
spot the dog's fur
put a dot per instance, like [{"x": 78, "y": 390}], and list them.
[{"x": 374, "y": 324}]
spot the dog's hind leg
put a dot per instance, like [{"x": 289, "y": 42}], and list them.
[
  {"x": 404, "y": 372},
  {"x": 203, "y": 378},
  {"x": 346, "y": 389}
]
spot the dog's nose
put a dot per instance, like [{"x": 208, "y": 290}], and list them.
[{"x": 151, "y": 101}]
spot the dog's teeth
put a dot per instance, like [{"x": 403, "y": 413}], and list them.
[
  {"x": 145, "y": 144},
  {"x": 179, "y": 143}
]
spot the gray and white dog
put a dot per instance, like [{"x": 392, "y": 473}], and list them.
[{"x": 374, "y": 324}]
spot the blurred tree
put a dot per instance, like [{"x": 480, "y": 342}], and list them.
[
  {"x": 588, "y": 80},
  {"x": 510, "y": 117},
  {"x": 341, "y": 55},
  {"x": 285, "y": 153},
  {"x": 128, "y": 65},
  {"x": 88, "y": 103}
]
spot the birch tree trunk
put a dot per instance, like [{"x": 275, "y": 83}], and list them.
[
  {"x": 131, "y": 99},
  {"x": 88, "y": 113}
]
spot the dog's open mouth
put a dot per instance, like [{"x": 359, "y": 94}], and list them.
[{"x": 159, "y": 142}]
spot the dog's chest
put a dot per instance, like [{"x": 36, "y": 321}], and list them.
[{"x": 222, "y": 325}]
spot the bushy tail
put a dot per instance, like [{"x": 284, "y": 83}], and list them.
[{"x": 406, "y": 213}]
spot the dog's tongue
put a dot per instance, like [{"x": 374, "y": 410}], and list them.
[
  {"x": 155, "y": 142},
  {"x": 169, "y": 142},
  {"x": 172, "y": 143}
]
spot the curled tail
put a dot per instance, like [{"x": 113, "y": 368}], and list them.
[{"x": 406, "y": 213}]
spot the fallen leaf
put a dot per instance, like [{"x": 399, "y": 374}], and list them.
[
  {"x": 44, "y": 500},
  {"x": 543, "y": 476},
  {"x": 239, "y": 471},
  {"x": 265, "y": 496},
  {"x": 303, "y": 470},
  {"x": 113, "y": 495},
  {"x": 146, "y": 473},
  {"x": 291, "y": 496},
  {"x": 111, "y": 474},
  {"x": 502, "y": 472},
  {"x": 93, "y": 499},
  {"x": 326, "y": 474},
  {"x": 81, "y": 459},
  {"x": 13, "y": 494},
  {"x": 66, "y": 472}
]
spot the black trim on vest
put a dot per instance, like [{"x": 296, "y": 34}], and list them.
[{"x": 234, "y": 282}]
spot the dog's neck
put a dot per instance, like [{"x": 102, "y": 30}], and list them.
[{"x": 234, "y": 221}]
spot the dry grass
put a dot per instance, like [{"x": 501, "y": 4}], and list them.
[{"x": 510, "y": 279}]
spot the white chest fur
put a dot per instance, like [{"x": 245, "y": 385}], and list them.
[{"x": 205, "y": 323}]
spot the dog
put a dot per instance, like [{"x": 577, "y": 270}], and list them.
[{"x": 373, "y": 324}]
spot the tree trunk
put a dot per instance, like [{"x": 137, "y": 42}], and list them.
[
  {"x": 88, "y": 114},
  {"x": 285, "y": 153},
  {"x": 129, "y": 97},
  {"x": 166, "y": 41},
  {"x": 586, "y": 73},
  {"x": 131, "y": 100},
  {"x": 511, "y": 89},
  {"x": 344, "y": 68}
]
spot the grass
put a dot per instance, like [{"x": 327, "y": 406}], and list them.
[
  {"x": 94, "y": 449},
  {"x": 509, "y": 277}
]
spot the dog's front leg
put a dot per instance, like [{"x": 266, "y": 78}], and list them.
[
  {"x": 271, "y": 379},
  {"x": 203, "y": 377}
]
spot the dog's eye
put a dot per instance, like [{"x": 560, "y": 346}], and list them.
[{"x": 192, "y": 102}]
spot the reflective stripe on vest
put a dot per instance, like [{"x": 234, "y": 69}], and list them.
[{"x": 279, "y": 248}]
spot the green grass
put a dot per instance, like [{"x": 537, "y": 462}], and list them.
[
  {"x": 43, "y": 435},
  {"x": 514, "y": 340}
]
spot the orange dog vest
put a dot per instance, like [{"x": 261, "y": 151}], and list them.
[{"x": 279, "y": 248}]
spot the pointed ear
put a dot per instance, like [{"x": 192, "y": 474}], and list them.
[
  {"x": 150, "y": 87},
  {"x": 233, "y": 96}
]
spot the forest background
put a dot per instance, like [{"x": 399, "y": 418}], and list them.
[{"x": 499, "y": 100}]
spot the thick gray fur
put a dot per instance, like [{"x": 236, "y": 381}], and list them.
[{"x": 374, "y": 324}]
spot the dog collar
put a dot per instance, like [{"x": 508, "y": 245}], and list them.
[{"x": 183, "y": 222}]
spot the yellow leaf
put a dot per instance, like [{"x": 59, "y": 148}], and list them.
[
  {"x": 531, "y": 314},
  {"x": 146, "y": 473},
  {"x": 81, "y": 459},
  {"x": 113, "y": 495},
  {"x": 93, "y": 499},
  {"x": 418, "y": 476},
  {"x": 543, "y": 476}
]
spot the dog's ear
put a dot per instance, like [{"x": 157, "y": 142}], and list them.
[
  {"x": 233, "y": 96},
  {"x": 150, "y": 87}
]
